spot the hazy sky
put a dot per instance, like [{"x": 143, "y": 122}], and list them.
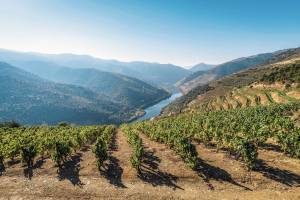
[{"x": 183, "y": 32}]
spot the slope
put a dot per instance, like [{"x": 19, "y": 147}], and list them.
[
  {"x": 203, "y": 77},
  {"x": 32, "y": 100},
  {"x": 202, "y": 67},
  {"x": 79, "y": 178},
  {"x": 273, "y": 83},
  {"x": 125, "y": 90},
  {"x": 220, "y": 87}
]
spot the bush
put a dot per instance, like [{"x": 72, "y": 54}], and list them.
[
  {"x": 137, "y": 147},
  {"x": 63, "y": 124},
  {"x": 100, "y": 151},
  {"x": 11, "y": 124},
  {"x": 28, "y": 154},
  {"x": 60, "y": 152}
]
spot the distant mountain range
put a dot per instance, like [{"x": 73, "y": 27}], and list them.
[
  {"x": 90, "y": 97},
  {"x": 32, "y": 100},
  {"x": 162, "y": 75}
]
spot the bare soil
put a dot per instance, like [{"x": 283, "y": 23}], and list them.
[
  {"x": 294, "y": 94},
  {"x": 163, "y": 176},
  {"x": 277, "y": 98}
]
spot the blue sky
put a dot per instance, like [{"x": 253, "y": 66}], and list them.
[{"x": 183, "y": 32}]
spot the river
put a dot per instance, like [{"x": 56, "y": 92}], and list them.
[{"x": 154, "y": 110}]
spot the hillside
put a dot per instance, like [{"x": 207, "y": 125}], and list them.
[
  {"x": 129, "y": 92},
  {"x": 29, "y": 99},
  {"x": 204, "y": 77},
  {"x": 222, "y": 86},
  {"x": 254, "y": 95},
  {"x": 275, "y": 83},
  {"x": 202, "y": 67},
  {"x": 162, "y": 75}
]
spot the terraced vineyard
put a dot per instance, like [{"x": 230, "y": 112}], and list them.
[
  {"x": 253, "y": 95},
  {"x": 228, "y": 92}
]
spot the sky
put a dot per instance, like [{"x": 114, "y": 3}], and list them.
[{"x": 182, "y": 32}]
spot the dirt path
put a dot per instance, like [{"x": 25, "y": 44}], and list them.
[
  {"x": 294, "y": 94},
  {"x": 275, "y": 171},
  {"x": 277, "y": 98},
  {"x": 121, "y": 153},
  {"x": 161, "y": 166},
  {"x": 278, "y": 167},
  {"x": 220, "y": 170}
]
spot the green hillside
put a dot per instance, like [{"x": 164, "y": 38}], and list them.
[
  {"x": 286, "y": 61},
  {"x": 234, "y": 66},
  {"x": 29, "y": 99},
  {"x": 130, "y": 92}
]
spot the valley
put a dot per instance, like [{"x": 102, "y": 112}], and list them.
[
  {"x": 149, "y": 100},
  {"x": 95, "y": 96},
  {"x": 235, "y": 136}
]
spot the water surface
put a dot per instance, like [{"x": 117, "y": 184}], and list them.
[{"x": 154, "y": 110}]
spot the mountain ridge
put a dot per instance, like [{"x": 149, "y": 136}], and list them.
[
  {"x": 30, "y": 99},
  {"x": 202, "y": 67},
  {"x": 163, "y": 75},
  {"x": 227, "y": 68}
]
